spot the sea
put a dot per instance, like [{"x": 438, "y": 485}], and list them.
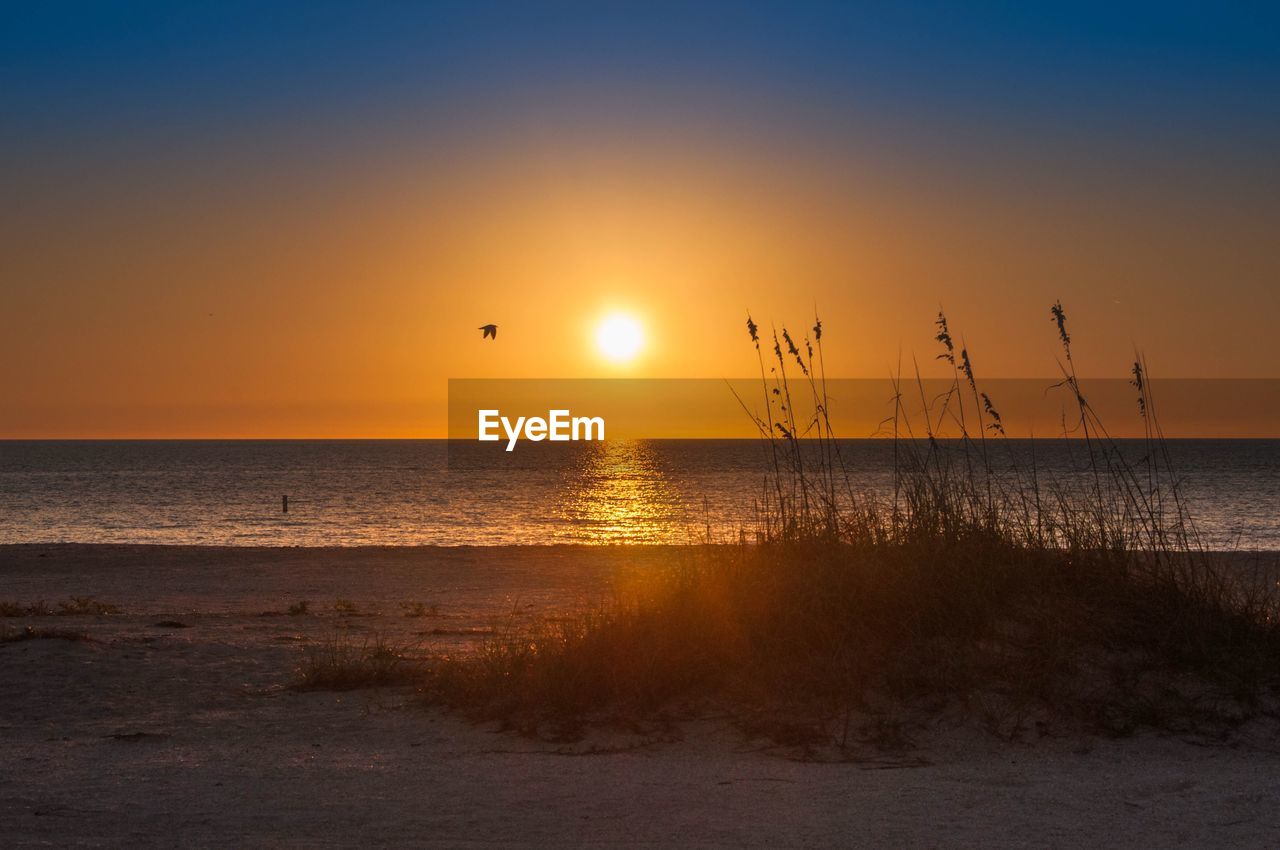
[{"x": 423, "y": 492}]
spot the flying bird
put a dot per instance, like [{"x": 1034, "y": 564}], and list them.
[{"x": 489, "y": 331}]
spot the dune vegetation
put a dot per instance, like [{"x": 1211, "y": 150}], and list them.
[{"x": 979, "y": 587}]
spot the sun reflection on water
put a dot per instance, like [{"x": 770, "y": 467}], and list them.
[{"x": 618, "y": 492}]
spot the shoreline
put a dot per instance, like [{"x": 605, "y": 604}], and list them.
[
  {"x": 231, "y": 547},
  {"x": 442, "y": 547}
]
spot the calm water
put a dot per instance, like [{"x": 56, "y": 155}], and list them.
[{"x": 407, "y": 492}]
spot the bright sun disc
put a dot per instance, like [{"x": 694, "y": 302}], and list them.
[{"x": 619, "y": 338}]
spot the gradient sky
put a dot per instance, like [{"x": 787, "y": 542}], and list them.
[{"x": 288, "y": 219}]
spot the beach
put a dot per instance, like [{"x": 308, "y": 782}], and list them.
[
  {"x": 176, "y": 722},
  {"x": 721, "y": 425}
]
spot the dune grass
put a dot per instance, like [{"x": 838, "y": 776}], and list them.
[
  {"x": 8, "y": 635},
  {"x": 76, "y": 606},
  {"x": 341, "y": 663},
  {"x": 976, "y": 584},
  {"x": 816, "y": 632}
]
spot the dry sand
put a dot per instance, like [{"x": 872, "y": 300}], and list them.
[{"x": 161, "y": 736}]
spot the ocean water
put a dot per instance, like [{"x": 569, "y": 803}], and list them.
[{"x": 419, "y": 492}]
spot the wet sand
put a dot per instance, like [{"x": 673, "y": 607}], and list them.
[{"x": 164, "y": 735}]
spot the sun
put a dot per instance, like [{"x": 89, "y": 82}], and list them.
[{"x": 620, "y": 338}]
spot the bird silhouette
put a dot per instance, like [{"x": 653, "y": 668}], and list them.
[{"x": 489, "y": 331}]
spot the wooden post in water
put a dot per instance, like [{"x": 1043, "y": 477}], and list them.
[{"x": 284, "y": 504}]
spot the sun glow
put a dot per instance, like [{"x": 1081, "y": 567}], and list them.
[{"x": 620, "y": 338}]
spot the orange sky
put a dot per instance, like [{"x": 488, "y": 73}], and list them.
[
  {"x": 288, "y": 305},
  {"x": 296, "y": 234}
]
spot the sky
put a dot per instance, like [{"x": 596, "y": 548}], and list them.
[{"x": 288, "y": 220}]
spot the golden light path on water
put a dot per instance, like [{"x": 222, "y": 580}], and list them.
[{"x": 618, "y": 492}]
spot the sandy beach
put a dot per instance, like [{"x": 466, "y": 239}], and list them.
[
  {"x": 632, "y": 424},
  {"x": 175, "y": 724}
]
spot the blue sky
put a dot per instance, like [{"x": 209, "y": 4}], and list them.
[{"x": 215, "y": 68}]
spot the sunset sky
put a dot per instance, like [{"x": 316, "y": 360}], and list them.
[{"x": 238, "y": 221}]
